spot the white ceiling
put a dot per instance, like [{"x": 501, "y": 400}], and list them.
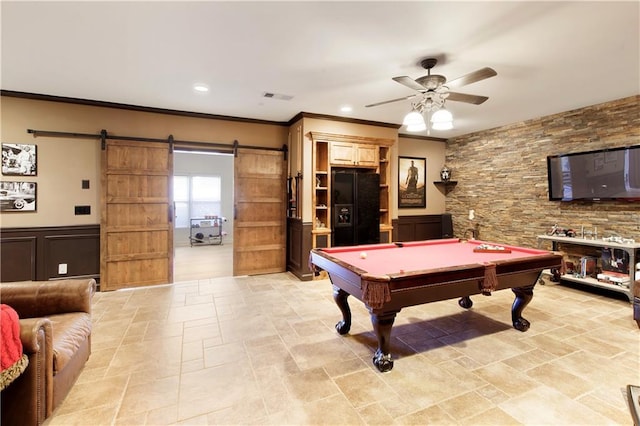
[{"x": 550, "y": 56}]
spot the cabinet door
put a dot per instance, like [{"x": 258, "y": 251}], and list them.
[
  {"x": 367, "y": 155},
  {"x": 343, "y": 153}
]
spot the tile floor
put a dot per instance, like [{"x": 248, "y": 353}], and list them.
[{"x": 263, "y": 350}]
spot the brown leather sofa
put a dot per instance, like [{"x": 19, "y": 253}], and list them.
[{"x": 55, "y": 329}]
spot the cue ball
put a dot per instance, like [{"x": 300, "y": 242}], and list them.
[{"x": 363, "y": 255}]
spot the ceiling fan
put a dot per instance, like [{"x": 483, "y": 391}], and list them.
[{"x": 433, "y": 90}]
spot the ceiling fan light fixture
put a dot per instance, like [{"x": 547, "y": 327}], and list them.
[
  {"x": 417, "y": 127},
  {"x": 414, "y": 118},
  {"x": 442, "y": 116}
]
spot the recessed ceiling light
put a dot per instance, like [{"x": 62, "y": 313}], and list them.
[
  {"x": 200, "y": 87},
  {"x": 346, "y": 108}
]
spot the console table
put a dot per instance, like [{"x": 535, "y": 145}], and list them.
[{"x": 631, "y": 249}]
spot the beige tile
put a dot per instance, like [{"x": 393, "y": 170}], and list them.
[
  {"x": 431, "y": 415},
  {"x": 529, "y": 359},
  {"x": 140, "y": 398},
  {"x": 619, "y": 415},
  {"x": 99, "y": 415},
  {"x": 90, "y": 395},
  {"x": 334, "y": 410},
  {"x": 311, "y": 353},
  {"x": 346, "y": 366},
  {"x": 249, "y": 411},
  {"x": 558, "y": 378},
  {"x": 148, "y": 355},
  {"x": 310, "y": 385},
  {"x": 466, "y": 405},
  {"x": 493, "y": 416},
  {"x": 421, "y": 382},
  {"x": 547, "y": 406},
  {"x": 375, "y": 414},
  {"x": 363, "y": 387},
  {"x": 264, "y": 350},
  {"x": 166, "y": 415},
  {"x": 191, "y": 312},
  {"x": 229, "y": 353},
  {"x": 212, "y": 389},
  {"x": 509, "y": 380}
]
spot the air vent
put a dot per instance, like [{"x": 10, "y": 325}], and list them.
[{"x": 277, "y": 96}]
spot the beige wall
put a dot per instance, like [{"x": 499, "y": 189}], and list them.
[
  {"x": 502, "y": 174},
  {"x": 64, "y": 163}
]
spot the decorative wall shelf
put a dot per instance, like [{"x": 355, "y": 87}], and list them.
[{"x": 446, "y": 186}]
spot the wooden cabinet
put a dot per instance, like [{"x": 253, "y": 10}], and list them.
[
  {"x": 332, "y": 150},
  {"x": 353, "y": 154},
  {"x": 321, "y": 229},
  {"x": 384, "y": 170}
]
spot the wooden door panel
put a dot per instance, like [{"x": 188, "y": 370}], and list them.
[
  {"x": 259, "y": 235},
  {"x": 137, "y": 186},
  {"x": 136, "y": 214},
  {"x": 131, "y": 243},
  {"x": 137, "y": 273},
  {"x": 260, "y": 188},
  {"x": 136, "y": 225},
  {"x": 259, "y": 211},
  {"x": 250, "y": 236},
  {"x": 265, "y": 260},
  {"x": 133, "y": 158}
]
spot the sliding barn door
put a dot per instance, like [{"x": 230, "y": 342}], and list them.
[
  {"x": 136, "y": 227},
  {"x": 259, "y": 233}
]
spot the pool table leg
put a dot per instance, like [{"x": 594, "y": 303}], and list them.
[
  {"x": 523, "y": 297},
  {"x": 382, "y": 324},
  {"x": 340, "y": 297}
]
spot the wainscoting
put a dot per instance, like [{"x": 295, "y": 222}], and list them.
[
  {"x": 422, "y": 227},
  {"x": 35, "y": 253}
]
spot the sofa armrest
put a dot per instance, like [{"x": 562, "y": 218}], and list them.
[
  {"x": 36, "y": 335},
  {"x": 41, "y": 298},
  {"x": 29, "y": 334},
  {"x": 29, "y": 399}
]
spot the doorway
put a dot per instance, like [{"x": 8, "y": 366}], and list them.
[{"x": 203, "y": 259}]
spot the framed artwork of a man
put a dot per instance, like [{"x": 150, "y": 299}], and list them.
[{"x": 411, "y": 182}]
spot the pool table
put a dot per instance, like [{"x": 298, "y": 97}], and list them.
[{"x": 389, "y": 277}]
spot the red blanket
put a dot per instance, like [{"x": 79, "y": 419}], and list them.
[{"x": 10, "y": 344}]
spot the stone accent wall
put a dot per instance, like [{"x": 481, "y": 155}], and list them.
[{"x": 502, "y": 175}]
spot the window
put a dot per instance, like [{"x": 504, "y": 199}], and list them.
[{"x": 196, "y": 197}]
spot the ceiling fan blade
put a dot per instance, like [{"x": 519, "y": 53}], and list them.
[
  {"x": 463, "y": 97},
  {"x": 410, "y": 83},
  {"x": 404, "y": 98},
  {"x": 472, "y": 77}
]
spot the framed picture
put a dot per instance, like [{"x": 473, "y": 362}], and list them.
[
  {"x": 17, "y": 196},
  {"x": 411, "y": 182},
  {"x": 19, "y": 159}
]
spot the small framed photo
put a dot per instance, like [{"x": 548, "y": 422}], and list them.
[
  {"x": 411, "y": 182},
  {"x": 19, "y": 159},
  {"x": 17, "y": 196}
]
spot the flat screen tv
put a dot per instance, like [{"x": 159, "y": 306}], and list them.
[{"x": 606, "y": 174}]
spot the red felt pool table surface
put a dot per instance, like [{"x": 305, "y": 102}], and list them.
[{"x": 393, "y": 259}]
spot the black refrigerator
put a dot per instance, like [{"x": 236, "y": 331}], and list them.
[{"x": 355, "y": 207}]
